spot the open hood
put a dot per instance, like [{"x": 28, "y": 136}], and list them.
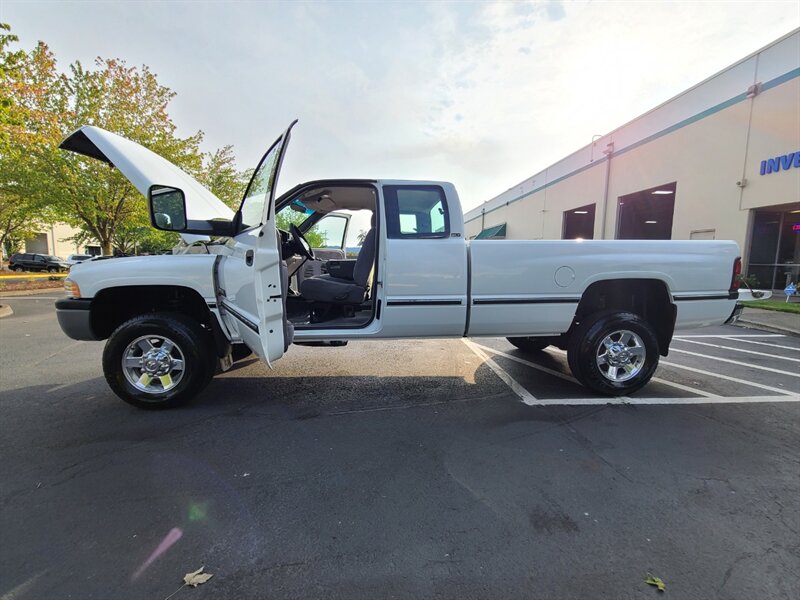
[{"x": 144, "y": 169}]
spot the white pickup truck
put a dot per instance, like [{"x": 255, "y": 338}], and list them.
[{"x": 173, "y": 321}]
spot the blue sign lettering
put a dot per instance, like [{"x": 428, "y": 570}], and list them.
[{"x": 783, "y": 162}]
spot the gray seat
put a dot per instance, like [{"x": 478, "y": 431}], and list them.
[{"x": 335, "y": 290}]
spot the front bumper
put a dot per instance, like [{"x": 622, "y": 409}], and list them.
[{"x": 75, "y": 318}]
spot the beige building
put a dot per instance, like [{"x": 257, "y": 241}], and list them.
[
  {"x": 54, "y": 240},
  {"x": 719, "y": 161}
]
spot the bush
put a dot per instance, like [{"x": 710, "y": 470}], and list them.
[{"x": 750, "y": 281}]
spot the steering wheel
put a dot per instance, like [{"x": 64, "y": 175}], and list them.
[{"x": 300, "y": 244}]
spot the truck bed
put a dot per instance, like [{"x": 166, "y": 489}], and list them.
[{"x": 534, "y": 287}]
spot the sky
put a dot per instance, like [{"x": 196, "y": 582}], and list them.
[{"x": 483, "y": 94}]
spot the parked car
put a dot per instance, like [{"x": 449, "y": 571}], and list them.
[
  {"x": 74, "y": 259},
  {"x": 171, "y": 321},
  {"x": 37, "y": 262}
]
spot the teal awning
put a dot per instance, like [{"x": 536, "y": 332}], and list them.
[{"x": 498, "y": 232}]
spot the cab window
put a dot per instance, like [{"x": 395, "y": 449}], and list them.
[{"x": 418, "y": 211}]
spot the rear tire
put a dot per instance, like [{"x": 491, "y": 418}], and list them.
[
  {"x": 613, "y": 353},
  {"x": 168, "y": 358},
  {"x": 531, "y": 344}
]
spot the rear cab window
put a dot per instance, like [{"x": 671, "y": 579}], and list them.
[{"x": 416, "y": 211}]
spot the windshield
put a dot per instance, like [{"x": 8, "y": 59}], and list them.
[
  {"x": 294, "y": 213},
  {"x": 259, "y": 191}
]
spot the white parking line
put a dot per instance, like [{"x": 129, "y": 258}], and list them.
[
  {"x": 741, "y": 350},
  {"x": 666, "y": 401},
  {"x": 741, "y": 335},
  {"x": 768, "y": 388},
  {"x": 795, "y": 348},
  {"x": 533, "y": 365},
  {"x": 530, "y": 400},
  {"x": 520, "y": 391},
  {"x": 736, "y": 362},
  {"x": 561, "y": 375}
]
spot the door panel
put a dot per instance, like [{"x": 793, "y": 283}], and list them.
[
  {"x": 250, "y": 278},
  {"x": 425, "y": 268},
  {"x": 237, "y": 292},
  {"x": 425, "y": 285}
]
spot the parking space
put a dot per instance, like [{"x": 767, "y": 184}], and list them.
[
  {"x": 407, "y": 469},
  {"x": 722, "y": 364}
]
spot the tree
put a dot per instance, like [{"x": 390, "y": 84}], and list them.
[
  {"x": 39, "y": 106},
  {"x": 48, "y": 105},
  {"x": 130, "y": 102},
  {"x": 220, "y": 175},
  {"x": 288, "y": 217},
  {"x": 144, "y": 239},
  {"x": 21, "y": 213}
]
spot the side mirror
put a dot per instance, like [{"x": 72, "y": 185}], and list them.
[{"x": 167, "y": 208}]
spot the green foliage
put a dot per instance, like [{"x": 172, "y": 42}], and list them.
[
  {"x": 23, "y": 78},
  {"x": 288, "y": 217},
  {"x": 778, "y": 305},
  {"x": 749, "y": 280},
  {"x": 656, "y": 582},
  {"x": 39, "y": 106},
  {"x": 127, "y": 101},
  {"x": 220, "y": 175}
]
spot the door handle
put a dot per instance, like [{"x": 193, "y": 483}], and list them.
[{"x": 248, "y": 258}]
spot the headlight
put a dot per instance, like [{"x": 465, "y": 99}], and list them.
[{"x": 71, "y": 288}]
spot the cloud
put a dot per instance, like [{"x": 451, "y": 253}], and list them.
[{"x": 481, "y": 94}]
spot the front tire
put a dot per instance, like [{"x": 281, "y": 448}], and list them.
[
  {"x": 158, "y": 360},
  {"x": 530, "y": 344},
  {"x": 613, "y": 353}
]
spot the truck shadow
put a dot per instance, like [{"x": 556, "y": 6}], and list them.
[{"x": 89, "y": 407}]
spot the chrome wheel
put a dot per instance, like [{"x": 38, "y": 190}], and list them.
[
  {"x": 153, "y": 364},
  {"x": 621, "y": 355}
]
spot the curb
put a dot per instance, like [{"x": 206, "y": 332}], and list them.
[
  {"x": 744, "y": 323},
  {"x": 5, "y": 311}
]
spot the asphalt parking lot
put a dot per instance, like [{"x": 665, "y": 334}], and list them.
[{"x": 413, "y": 469}]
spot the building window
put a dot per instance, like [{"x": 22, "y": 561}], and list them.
[
  {"x": 775, "y": 246},
  {"x": 37, "y": 244},
  {"x": 703, "y": 234},
  {"x": 647, "y": 215},
  {"x": 579, "y": 223}
]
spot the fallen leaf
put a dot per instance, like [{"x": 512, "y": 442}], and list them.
[
  {"x": 197, "y": 577},
  {"x": 656, "y": 581}
]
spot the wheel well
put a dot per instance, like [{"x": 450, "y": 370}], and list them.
[
  {"x": 113, "y": 306},
  {"x": 648, "y": 298}
]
